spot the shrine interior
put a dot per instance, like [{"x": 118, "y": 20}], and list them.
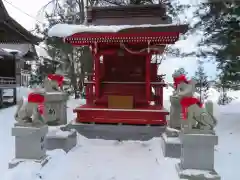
[{"x": 7, "y": 67}]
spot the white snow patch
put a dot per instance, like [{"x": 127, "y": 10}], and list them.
[
  {"x": 64, "y": 30},
  {"x": 57, "y": 132},
  {"x": 206, "y": 174},
  {"x": 100, "y": 159}
]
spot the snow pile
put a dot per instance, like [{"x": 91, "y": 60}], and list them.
[
  {"x": 29, "y": 170},
  {"x": 213, "y": 94},
  {"x": 64, "y": 30},
  {"x": 231, "y": 108},
  {"x": 167, "y": 92}
]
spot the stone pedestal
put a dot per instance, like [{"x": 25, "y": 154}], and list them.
[
  {"x": 55, "y": 112},
  {"x": 175, "y": 113},
  {"x": 171, "y": 146},
  {"x": 29, "y": 144},
  {"x": 197, "y": 157},
  {"x": 61, "y": 138}
]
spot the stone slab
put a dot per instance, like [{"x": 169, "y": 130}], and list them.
[
  {"x": 21, "y": 131},
  {"x": 15, "y": 162},
  {"x": 59, "y": 139},
  {"x": 194, "y": 174},
  {"x": 171, "y": 146},
  {"x": 201, "y": 139}
]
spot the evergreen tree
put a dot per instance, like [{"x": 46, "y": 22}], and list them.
[
  {"x": 202, "y": 83},
  {"x": 224, "y": 85},
  {"x": 35, "y": 79},
  {"x": 43, "y": 67},
  {"x": 77, "y": 60},
  {"x": 219, "y": 24}
]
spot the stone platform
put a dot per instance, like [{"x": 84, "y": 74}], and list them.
[
  {"x": 117, "y": 132},
  {"x": 171, "y": 146}
]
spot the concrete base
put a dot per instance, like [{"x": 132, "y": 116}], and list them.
[
  {"x": 61, "y": 139},
  {"x": 15, "y": 162},
  {"x": 117, "y": 132},
  {"x": 193, "y": 174},
  {"x": 29, "y": 142},
  {"x": 171, "y": 146}
]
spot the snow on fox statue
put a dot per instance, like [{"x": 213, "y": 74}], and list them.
[
  {"x": 193, "y": 112},
  {"x": 30, "y": 109}
]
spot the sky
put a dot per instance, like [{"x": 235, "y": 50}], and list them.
[{"x": 168, "y": 66}]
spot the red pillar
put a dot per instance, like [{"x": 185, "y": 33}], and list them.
[
  {"x": 97, "y": 74},
  {"x": 161, "y": 96},
  {"x": 148, "y": 77}
]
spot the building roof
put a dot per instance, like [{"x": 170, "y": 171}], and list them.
[
  {"x": 11, "y": 31},
  {"x": 128, "y": 15}
]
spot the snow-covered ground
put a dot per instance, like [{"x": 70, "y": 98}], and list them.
[{"x": 113, "y": 160}]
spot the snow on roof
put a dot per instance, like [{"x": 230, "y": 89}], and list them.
[
  {"x": 20, "y": 49},
  {"x": 4, "y": 52},
  {"x": 42, "y": 52},
  {"x": 64, "y": 30}
]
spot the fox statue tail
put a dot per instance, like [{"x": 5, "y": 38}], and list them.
[{"x": 209, "y": 109}]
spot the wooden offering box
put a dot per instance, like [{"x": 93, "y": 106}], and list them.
[{"x": 120, "y": 102}]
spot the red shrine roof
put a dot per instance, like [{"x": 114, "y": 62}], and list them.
[
  {"x": 131, "y": 24},
  {"x": 84, "y": 35}
]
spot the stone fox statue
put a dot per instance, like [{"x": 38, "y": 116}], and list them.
[
  {"x": 30, "y": 109},
  {"x": 53, "y": 82},
  {"x": 193, "y": 111}
]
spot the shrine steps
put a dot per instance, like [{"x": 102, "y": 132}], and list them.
[{"x": 150, "y": 116}]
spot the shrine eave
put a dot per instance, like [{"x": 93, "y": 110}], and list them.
[
  {"x": 160, "y": 35},
  {"x": 12, "y": 32}
]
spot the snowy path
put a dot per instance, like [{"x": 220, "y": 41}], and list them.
[
  {"x": 113, "y": 160},
  {"x": 6, "y": 140},
  {"x": 227, "y": 154}
]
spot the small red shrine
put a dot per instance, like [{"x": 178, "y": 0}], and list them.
[{"x": 123, "y": 41}]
